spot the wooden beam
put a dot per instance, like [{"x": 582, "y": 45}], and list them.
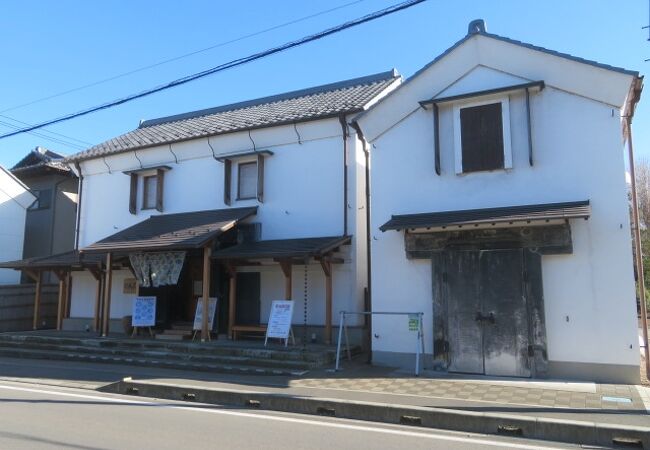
[
  {"x": 107, "y": 295},
  {"x": 98, "y": 302},
  {"x": 232, "y": 297},
  {"x": 31, "y": 274},
  {"x": 205, "y": 332},
  {"x": 37, "y": 301},
  {"x": 286, "y": 270},
  {"x": 327, "y": 268},
  {"x": 59, "y": 310},
  {"x": 68, "y": 295}
]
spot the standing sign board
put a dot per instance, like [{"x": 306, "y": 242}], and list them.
[
  {"x": 144, "y": 312},
  {"x": 198, "y": 316},
  {"x": 279, "y": 326}
]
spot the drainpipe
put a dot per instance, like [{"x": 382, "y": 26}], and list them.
[
  {"x": 79, "y": 193},
  {"x": 366, "y": 153},
  {"x": 344, "y": 128},
  {"x": 637, "y": 247}
]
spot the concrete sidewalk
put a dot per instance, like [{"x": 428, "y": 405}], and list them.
[{"x": 576, "y": 412}]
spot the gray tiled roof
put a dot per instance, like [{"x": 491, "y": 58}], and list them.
[
  {"x": 180, "y": 231},
  {"x": 527, "y": 213},
  {"x": 40, "y": 159},
  {"x": 283, "y": 248},
  {"x": 298, "y": 106}
]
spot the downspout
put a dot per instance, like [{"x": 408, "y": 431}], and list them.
[
  {"x": 80, "y": 192},
  {"x": 366, "y": 153},
  {"x": 344, "y": 128},
  {"x": 629, "y": 113}
]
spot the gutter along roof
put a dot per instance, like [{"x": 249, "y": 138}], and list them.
[
  {"x": 314, "y": 103},
  {"x": 508, "y": 214},
  {"x": 71, "y": 259},
  {"x": 183, "y": 231}
]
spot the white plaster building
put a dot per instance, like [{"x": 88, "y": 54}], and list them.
[
  {"x": 269, "y": 183},
  {"x": 15, "y": 199},
  {"x": 499, "y": 210}
]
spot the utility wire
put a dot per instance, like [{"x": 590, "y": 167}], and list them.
[
  {"x": 73, "y": 141},
  {"x": 234, "y": 63},
  {"x": 186, "y": 55},
  {"x": 46, "y": 137}
]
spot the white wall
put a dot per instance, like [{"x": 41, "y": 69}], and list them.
[
  {"x": 14, "y": 201},
  {"x": 303, "y": 195},
  {"x": 578, "y": 156}
]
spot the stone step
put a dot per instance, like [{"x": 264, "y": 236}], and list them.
[
  {"x": 161, "y": 354},
  {"x": 173, "y": 331},
  {"x": 148, "y": 362},
  {"x": 173, "y": 336},
  {"x": 187, "y": 326},
  {"x": 318, "y": 356}
]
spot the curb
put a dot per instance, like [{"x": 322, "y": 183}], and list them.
[{"x": 567, "y": 431}]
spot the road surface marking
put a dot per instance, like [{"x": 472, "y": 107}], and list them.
[{"x": 481, "y": 441}]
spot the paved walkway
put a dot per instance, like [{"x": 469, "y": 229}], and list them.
[{"x": 602, "y": 403}]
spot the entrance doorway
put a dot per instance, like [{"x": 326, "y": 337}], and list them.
[{"x": 485, "y": 308}]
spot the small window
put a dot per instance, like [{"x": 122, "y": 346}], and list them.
[
  {"x": 43, "y": 199},
  {"x": 149, "y": 192},
  {"x": 247, "y": 181},
  {"x": 483, "y": 136}
]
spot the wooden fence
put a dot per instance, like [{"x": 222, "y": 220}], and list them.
[{"x": 17, "y": 306}]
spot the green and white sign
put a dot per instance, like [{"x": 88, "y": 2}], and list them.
[{"x": 414, "y": 322}]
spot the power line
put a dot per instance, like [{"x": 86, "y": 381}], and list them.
[
  {"x": 186, "y": 55},
  {"x": 234, "y": 63},
  {"x": 64, "y": 136},
  {"x": 46, "y": 137}
]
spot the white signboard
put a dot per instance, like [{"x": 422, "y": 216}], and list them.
[
  {"x": 198, "y": 316},
  {"x": 279, "y": 325},
  {"x": 144, "y": 312}
]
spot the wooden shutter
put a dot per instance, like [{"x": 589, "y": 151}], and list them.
[
  {"x": 133, "y": 198},
  {"x": 227, "y": 176},
  {"x": 260, "y": 178},
  {"x": 160, "y": 182},
  {"x": 482, "y": 137}
]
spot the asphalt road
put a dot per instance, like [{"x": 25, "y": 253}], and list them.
[{"x": 39, "y": 417}]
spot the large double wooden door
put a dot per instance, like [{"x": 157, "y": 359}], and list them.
[{"x": 487, "y": 312}]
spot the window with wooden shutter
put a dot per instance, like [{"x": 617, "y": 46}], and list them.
[{"x": 483, "y": 136}]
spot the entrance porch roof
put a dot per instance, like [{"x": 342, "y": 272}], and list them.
[
  {"x": 182, "y": 231},
  {"x": 283, "y": 248},
  {"x": 490, "y": 216}
]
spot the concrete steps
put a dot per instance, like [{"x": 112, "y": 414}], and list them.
[{"x": 226, "y": 357}]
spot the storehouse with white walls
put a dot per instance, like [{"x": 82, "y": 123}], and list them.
[
  {"x": 250, "y": 202},
  {"x": 500, "y": 211}
]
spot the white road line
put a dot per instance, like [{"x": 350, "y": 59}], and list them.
[{"x": 481, "y": 441}]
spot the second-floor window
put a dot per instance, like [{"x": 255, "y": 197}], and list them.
[
  {"x": 247, "y": 180},
  {"x": 149, "y": 192},
  {"x": 483, "y": 136}
]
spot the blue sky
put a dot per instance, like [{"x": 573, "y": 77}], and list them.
[{"x": 50, "y": 47}]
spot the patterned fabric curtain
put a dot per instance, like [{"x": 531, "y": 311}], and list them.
[
  {"x": 140, "y": 268},
  {"x": 157, "y": 269}
]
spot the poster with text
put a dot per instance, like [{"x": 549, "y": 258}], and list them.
[
  {"x": 280, "y": 319},
  {"x": 144, "y": 312},
  {"x": 198, "y": 316}
]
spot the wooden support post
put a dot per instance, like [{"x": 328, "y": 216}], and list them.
[
  {"x": 232, "y": 296},
  {"x": 286, "y": 269},
  {"x": 68, "y": 295},
  {"x": 37, "y": 300},
  {"x": 108, "y": 280},
  {"x": 97, "y": 275},
  {"x": 327, "y": 269},
  {"x": 59, "y": 309},
  {"x": 205, "y": 332}
]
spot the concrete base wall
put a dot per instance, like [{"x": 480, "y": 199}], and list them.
[
  {"x": 600, "y": 373},
  {"x": 86, "y": 324},
  {"x": 17, "y": 307}
]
